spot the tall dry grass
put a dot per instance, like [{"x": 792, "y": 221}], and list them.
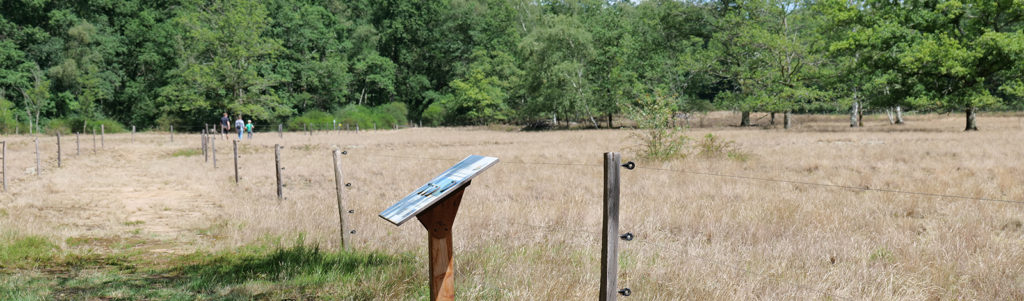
[{"x": 531, "y": 230}]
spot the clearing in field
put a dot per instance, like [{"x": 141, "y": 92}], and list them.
[{"x": 153, "y": 219}]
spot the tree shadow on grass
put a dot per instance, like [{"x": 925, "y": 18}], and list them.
[{"x": 298, "y": 272}]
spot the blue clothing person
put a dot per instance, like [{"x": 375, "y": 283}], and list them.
[{"x": 240, "y": 126}]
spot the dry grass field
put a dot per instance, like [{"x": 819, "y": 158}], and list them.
[{"x": 529, "y": 228}]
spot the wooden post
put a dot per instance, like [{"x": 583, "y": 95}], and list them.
[
  {"x": 339, "y": 187},
  {"x": 202, "y": 141},
  {"x": 280, "y": 130},
  {"x": 277, "y": 167},
  {"x": 610, "y": 228},
  {"x": 58, "y": 150},
  {"x": 438, "y": 220},
  {"x": 305, "y": 127},
  {"x": 346, "y": 127},
  {"x": 94, "y": 140},
  {"x": 213, "y": 149},
  {"x": 206, "y": 149},
  {"x": 235, "y": 143},
  {"x": 375, "y": 126},
  {"x": 133, "y": 134},
  {"x": 103, "y": 135},
  {"x": 78, "y": 150},
  {"x": 3, "y": 157},
  {"x": 172, "y": 134},
  {"x": 311, "y": 130},
  {"x": 37, "y": 155},
  {"x": 357, "y": 128}
]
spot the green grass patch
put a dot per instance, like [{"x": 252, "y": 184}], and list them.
[
  {"x": 25, "y": 251},
  {"x": 186, "y": 152},
  {"x": 261, "y": 272}
]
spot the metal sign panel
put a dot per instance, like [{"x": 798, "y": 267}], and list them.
[{"x": 442, "y": 185}]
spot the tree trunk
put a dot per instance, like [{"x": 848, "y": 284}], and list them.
[
  {"x": 787, "y": 121},
  {"x": 971, "y": 125},
  {"x": 772, "y": 121},
  {"x": 860, "y": 116},
  {"x": 609, "y": 120},
  {"x": 853, "y": 114},
  {"x": 745, "y": 118},
  {"x": 899, "y": 115}
]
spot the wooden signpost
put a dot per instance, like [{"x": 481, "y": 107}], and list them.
[{"x": 435, "y": 205}]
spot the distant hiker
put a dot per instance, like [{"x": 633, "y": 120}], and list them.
[
  {"x": 225, "y": 126},
  {"x": 248, "y": 129},
  {"x": 240, "y": 126}
]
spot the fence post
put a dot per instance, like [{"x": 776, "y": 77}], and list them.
[
  {"x": 610, "y": 228},
  {"x": 340, "y": 187},
  {"x": 310, "y": 130},
  {"x": 280, "y": 130},
  {"x": 172, "y": 133},
  {"x": 305, "y": 127},
  {"x": 235, "y": 143},
  {"x": 78, "y": 150},
  {"x": 375, "y": 126},
  {"x": 277, "y": 167},
  {"x": 93, "y": 140},
  {"x": 346, "y": 127},
  {"x": 3, "y": 157},
  {"x": 37, "y": 155},
  {"x": 213, "y": 149},
  {"x": 58, "y": 150},
  {"x": 206, "y": 147},
  {"x": 133, "y": 134},
  {"x": 357, "y": 128},
  {"x": 103, "y": 135}
]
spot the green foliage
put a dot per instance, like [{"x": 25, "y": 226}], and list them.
[
  {"x": 434, "y": 114},
  {"x": 72, "y": 125},
  {"x": 659, "y": 139},
  {"x": 717, "y": 147},
  {"x": 316, "y": 119}
]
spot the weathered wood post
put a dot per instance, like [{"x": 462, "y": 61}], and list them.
[
  {"x": 94, "y": 140},
  {"x": 610, "y": 228},
  {"x": 103, "y": 135},
  {"x": 133, "y": 134},
  {"x": 346, "y": 127},
  {"x": 305, "y": 127},
  {"x": 280, "y": 130},
  {"x": 374, "y": 125},
  {"x": 36, "y": 140},
  {"x": 78, "y": 150},
  {"x": 58, "y": 150},
  {"x": 213, "y": 149},
  {"x": 172, "y": 134},
  {"x": 277, "y": 167},
  {"x": 435, "y": 205},
  {"x": 3, "y": 157},
  {"x": 206, "y": 147},
  {"x": 339, "y": 187},
  {"x": 310, "y": 130},
  {"x": 357, "y": 128},
  {"x": 235, "y": 143}
]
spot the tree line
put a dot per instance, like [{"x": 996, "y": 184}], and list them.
[{"x": 455, "y": 62}]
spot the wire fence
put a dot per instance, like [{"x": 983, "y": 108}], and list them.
[
  {"x": 677, "y": 247},
  {"x": 680, "y": 248}
]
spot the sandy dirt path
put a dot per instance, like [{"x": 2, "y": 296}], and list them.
[{"x": 128, "y": 196}]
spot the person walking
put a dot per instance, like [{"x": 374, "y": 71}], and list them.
[
  {"x": 225, "y": 126},
  {"x": 240, "y": 126},
  {"x": 248, "y": 129}
]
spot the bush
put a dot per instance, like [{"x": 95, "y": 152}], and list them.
[
  {"x": 83, "y": 125},
  {"x": 659, "y": 139},
  {"x": 715, "y": 147},
  {"x": 317, "y": 119},
  {"x": 384, "y": 116},
  {"x": 434, "y": 114}
]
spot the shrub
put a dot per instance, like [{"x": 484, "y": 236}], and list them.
[
  {"x": 715, "y": 147},
  {"x": 659, "y": 139},
  {"x": 71, "y": 125},
  {"x": 434, "y": 114},
  {"x": 317, "y": 119},
  {"x": 384, "y": 116}
]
